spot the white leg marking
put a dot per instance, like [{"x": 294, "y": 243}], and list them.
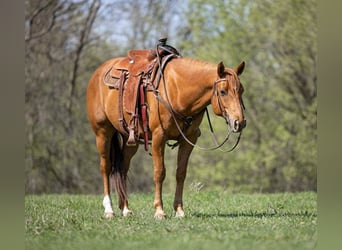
[
  {"x": 160, "y": 214},
  {"x": 180, "y": 213},
  {"x": 107, "y": 204},
  {"x": 126, "y": 211}
]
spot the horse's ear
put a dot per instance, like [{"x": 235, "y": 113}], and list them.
[
  {"x": 220, "y": 70},
  {"x": 239, "y": 69}
]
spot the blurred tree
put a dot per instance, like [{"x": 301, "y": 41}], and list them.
[
  {"x": 56, "y": 35},
  {"x": 277, "y": 39}
]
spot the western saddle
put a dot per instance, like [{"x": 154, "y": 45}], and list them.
[{"x": 132, "y": 76}]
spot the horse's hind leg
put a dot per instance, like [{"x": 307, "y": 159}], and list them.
[
  {"x": 128, "y": 152},
  {"x": 103, "y": 141}
]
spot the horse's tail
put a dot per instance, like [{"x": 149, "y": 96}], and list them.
[{"x": 117, "y": 172}]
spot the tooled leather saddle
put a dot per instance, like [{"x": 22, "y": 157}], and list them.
[{"x": 132, "y": 76}]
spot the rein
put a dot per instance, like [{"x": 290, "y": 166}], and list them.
[
  {"x": 224, "y": 141},
  {"x": 217, "y": 145},
  {"x": 188, "y": 119}
]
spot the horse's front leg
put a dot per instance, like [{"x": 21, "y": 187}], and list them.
[
  {"x": 158, "y": 149},
  {"x": 184, "y": 152}
]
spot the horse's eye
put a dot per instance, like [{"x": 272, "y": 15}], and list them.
[{"x": 223, "y": 92}]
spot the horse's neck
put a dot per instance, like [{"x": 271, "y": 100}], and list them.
[{"x": 191, "y": 83}]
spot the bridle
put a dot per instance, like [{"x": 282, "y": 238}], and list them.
[
  {"x": 225, "y": 115},
  {"x": 219, "y": 100}
]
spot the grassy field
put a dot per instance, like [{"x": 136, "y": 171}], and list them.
[{"x": 214, "y": 221}]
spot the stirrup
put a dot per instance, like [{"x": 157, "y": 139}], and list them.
[{"x": 131, "y": 138}]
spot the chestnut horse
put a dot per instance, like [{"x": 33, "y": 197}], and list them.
[{"x": 188, "y": 86}]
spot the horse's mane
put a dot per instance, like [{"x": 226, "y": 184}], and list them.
[
  {"x": 197, "y": 63},
  {"x": 204, "y": 67}
]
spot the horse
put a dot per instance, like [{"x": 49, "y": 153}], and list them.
[{"x": 175, "y": 112}]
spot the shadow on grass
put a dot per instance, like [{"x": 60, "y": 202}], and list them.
[{"x": 254, "y": 214}]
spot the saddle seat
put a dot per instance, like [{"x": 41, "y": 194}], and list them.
[{"x": 134, "y": 66}]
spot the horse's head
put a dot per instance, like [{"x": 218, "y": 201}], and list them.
[{"x": 227, "y": 96}]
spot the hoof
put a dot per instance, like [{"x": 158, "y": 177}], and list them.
[
  {"x": 108, "y": 215},
  {"x": 126, "y": 212},
  {"x": 160, "y": 215},
  {"x": 180, "y": 214}
]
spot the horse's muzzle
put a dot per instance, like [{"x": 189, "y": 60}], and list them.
[{"x": 238, "y": 126}]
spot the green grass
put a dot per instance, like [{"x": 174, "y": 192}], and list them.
[{"x": 213, "y": 221}]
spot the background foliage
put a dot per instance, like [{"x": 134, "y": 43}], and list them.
[{"x": 66, "y": 40}]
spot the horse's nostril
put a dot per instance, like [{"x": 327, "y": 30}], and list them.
[{"x": 236, "y": 125}]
